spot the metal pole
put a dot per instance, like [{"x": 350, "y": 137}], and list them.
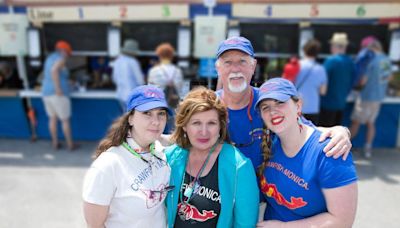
[{"x": 210, "y": 13}]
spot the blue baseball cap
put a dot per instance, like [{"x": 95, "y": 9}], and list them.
[
  {"x": 279, "y": 89},
  {"x": 146, "y": 97},
  {"x": 236, "y": 43}
]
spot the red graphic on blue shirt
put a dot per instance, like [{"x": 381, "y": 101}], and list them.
[
  {"x": 187, "y": 211},
  {"x": 272, "y": 191}
]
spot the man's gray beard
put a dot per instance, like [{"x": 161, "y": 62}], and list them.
[{"x": 237, "y": 89}]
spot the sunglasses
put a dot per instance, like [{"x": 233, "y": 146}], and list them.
[{"x": 161, "y": 192}]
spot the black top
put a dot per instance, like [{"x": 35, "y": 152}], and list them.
[{"x": 204, "y": 206}]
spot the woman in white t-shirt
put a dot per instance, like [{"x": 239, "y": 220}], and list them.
[{"x": 127, "y": 183}]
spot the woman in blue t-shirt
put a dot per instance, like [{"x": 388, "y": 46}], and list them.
[{"x": 302, "y": 186}]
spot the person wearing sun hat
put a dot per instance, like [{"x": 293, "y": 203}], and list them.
[
  {"x": 55, "y": 92},
  {"x": 363, "y": 58},
  {"x": 127, "y": 72},
  {"x": 167, "y": 76},
  {"x": 128, "y": 181},
  {"x": 311, "y": 188},
  {"x": 341, "y": 73}
]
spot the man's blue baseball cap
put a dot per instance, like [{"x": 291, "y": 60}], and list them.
[
  {"x": 236, "y": 43},
  {"x": 279, "y": 89},
  {"x": 146, "y": 97}
]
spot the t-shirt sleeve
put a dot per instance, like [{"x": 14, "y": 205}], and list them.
[
  {"x": 99, "y": 185},
  {"x": 334, "y": 173},
  {"x": 328, "y": 65},
  {"x": 323, "y": 79}
]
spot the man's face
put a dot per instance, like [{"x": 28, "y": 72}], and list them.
[{"x": 235, "y": 69}]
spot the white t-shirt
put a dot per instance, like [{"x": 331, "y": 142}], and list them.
[
  {"x": 123, "y": 182},
  {"x": 127, "y": 75},
  {"x": 162, "y": 74}
]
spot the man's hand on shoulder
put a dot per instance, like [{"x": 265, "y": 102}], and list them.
[{"x": 340, "y": 143}]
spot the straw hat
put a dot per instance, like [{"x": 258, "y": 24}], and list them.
[
  {"x": 339, "y": 38},
  {"x": 130, "y": 47}
]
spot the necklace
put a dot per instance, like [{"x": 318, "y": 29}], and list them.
[
  {"x": 136, "y": 154},
  {"x": 248, "y": 105},
  {"x": 194, "y": 184}
]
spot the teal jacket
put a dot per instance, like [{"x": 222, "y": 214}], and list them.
[{"x": 237, "y": 185}]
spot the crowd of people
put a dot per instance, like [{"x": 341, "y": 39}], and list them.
[
  {"x": 323, "y": 87},
  {"x": 205, "y": 173}
]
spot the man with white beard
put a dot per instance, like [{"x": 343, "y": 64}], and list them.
[{"x": 235, "y": 66}]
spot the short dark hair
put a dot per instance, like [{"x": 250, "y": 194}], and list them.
[{"x": 312, "y": 48}]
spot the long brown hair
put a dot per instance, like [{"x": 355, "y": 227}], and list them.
[
  {"x": 116, "y": 134},
  {"x": 266, "y": 145},
  {"x": 198, "y": 100}
]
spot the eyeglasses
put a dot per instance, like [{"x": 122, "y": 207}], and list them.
[
  {"x": 160, "y": 192},
  {"x": 253, "y": 138}
]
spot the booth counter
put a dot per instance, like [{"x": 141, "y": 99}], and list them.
[
  {"x": 13, "y": 119},
  {"x": 92, "y": 113},
  {"x": 387, "y": 124}
]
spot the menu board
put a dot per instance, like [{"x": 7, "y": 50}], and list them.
[
  {"x": 150, "y": 34},
  {"x": 83, "y": 37},
  {"x": 272, "y": 38}
]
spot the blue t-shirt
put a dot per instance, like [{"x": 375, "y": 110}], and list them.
[
  {"x": 246, "y": 134},
  {"x": 341, "y": 72},
  {"x": 362, "y": 61},
  {"x": 377, "y": 73},
  {"x": 310, "y": 79},
  {"x": 293, "y": 186},
  {"x": 48, "y": 88}
]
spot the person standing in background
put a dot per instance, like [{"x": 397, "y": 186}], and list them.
[
  {"x": 374, "y": 83},
  {"x": 291, "y": 69},
  {"x": 364, "y": 57},
  {"x": 340, "y": 69},
  {"x": 311, "y": 82},
  {"x": 9, "y": 77},
  {"x": 100, "y": 70},
  {"x": 127, "y": 73},
  {"x": 55, "y": 92},
  {"x": 167, "y": 77}
]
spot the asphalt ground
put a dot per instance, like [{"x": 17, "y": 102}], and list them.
[{"x": 41, "y": 187}]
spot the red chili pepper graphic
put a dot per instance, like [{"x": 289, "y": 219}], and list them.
[
  {"x": 187, "y": 211},
  {"x": 272, "y": 191}
]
